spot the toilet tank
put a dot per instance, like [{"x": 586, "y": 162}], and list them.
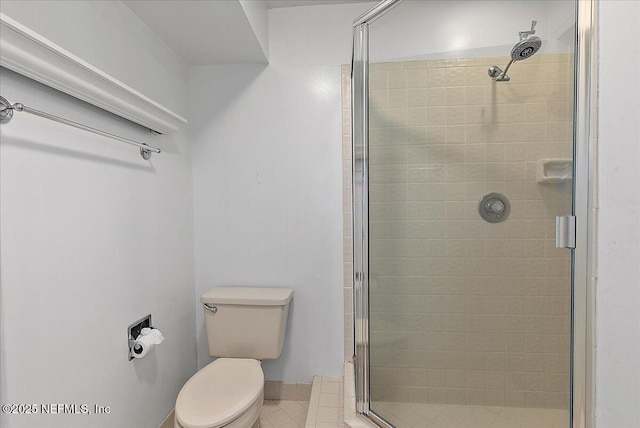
[{"x": 246, "y": 322}]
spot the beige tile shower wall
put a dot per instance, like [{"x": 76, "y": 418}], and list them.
[
  {"x": 347, "y": 219},
  {"x": 463, "y": 311}
]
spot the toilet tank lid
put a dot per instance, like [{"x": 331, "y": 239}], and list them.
[{"x": 261, "y": 296}]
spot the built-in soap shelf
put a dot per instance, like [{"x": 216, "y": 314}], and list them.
[{"x": 554, "y": 171}]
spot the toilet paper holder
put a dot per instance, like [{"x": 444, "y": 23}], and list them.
[{"x": 133, "y": 331}]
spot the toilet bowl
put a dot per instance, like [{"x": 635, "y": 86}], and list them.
[
  {"x": 244, "y": 326},
  {"x": 226, "y": 393}
]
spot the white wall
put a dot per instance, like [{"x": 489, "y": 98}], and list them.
[
  {"x": 618, "y": 288},
  {"x": 93, "y": 237},
  {"x": 267, "y": 181},
  {"x": 462, "y": 29}
]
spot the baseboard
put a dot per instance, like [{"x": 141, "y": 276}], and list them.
[
  {"x": 298, "y": 391},
  {"x": 168, "y": 421}
]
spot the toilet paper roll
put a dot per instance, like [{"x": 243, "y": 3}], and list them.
[{"x": 148, "y": 339}]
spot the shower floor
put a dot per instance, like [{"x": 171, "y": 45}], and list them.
[{"x": 404, "y": 415}]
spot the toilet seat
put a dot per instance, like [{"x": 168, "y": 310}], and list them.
[{"x": 220, "y": 393}]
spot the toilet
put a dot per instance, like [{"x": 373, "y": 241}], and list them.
[{"x": 244, "y": 326}]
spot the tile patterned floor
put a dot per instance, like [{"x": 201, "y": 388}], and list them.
[
  {"x": 326, "y": 408},
  {"x": 283, "y": 414},
  {"x": 450, "y": 416}
]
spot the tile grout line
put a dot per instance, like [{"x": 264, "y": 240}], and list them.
[{"x": 326, "y": 404}]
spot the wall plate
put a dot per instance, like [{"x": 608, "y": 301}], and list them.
[{"x": 133, "y": 331}]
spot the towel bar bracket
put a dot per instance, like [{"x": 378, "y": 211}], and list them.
[{"x": 6, "y": 110}]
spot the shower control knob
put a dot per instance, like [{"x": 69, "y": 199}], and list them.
[{"x": 494, "y": 207}]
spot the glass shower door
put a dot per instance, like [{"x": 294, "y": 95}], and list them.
[{"x": 462, "y": 177}]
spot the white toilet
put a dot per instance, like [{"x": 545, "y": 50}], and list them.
[{"x": 244, "y": 325}]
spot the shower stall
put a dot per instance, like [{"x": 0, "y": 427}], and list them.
[{"x": 470, "y": 195}]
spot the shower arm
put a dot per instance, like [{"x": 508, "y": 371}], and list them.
[
  {"x": 497, "y": 74},
  {"x": 504, "y": 73},
  {"x": 523, "y": 35}
]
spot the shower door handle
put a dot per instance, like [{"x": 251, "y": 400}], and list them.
[{"x": 566, "y": 231}]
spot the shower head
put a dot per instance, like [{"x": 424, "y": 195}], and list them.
[{"x": 525, "y": 48}]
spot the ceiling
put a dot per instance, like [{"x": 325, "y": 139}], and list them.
[
  {"x": 273, "y": 4},
  {"x": 216, "y": 32},
  {"x": 202, "y": 32}
]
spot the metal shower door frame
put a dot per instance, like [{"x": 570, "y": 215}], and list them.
[
  {"x": 584, "y": 208},
  {"x": 360, "y": 198},
  {"x": 584, "y": 267}
]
